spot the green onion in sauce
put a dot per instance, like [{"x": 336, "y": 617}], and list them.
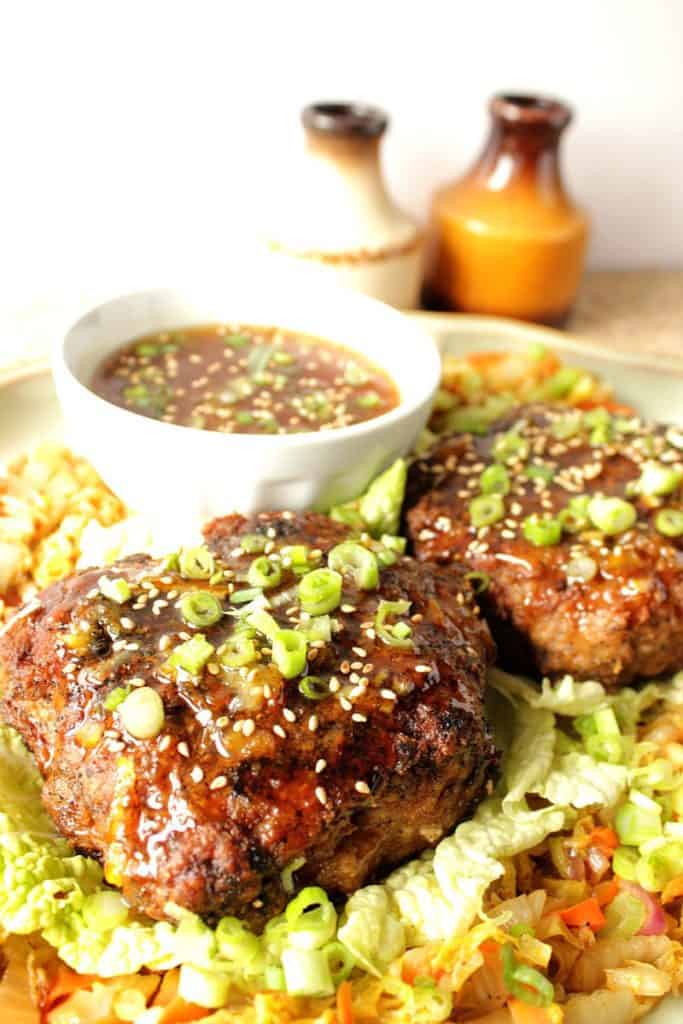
[{"x": 248, "y": 380}]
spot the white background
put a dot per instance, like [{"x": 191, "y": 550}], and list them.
[{"x": 138, "y": 138}]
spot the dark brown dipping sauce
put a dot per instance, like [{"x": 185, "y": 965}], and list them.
[{"x": 245, "y": 380}]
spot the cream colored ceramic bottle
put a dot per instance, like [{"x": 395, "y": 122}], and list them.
[{"x": 334, "y": 209}]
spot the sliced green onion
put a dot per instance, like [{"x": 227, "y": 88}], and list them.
[
  {"x": 354, "y": 559},
  {"x": 192, "y": 655},
  {"x": 669, "y": 522},
  {"x": 393, "y": 635},
  {"x": 246, "y": 596},
  {"x": 341, "y": 961},
  {"x": 320, "y": 591},
  {"x": 611, "y": 515},
  {"x": 582, "y": 568},
  {"x": 206, "y": 988},
  {"x": 258, "y": 360},
  {"x": 289, "y": 652},
  {"x": 539, "y": 471},
  {"x": 657, "y": 480},
  {"x": 116, "y": 590},
  {"x": 476, "y": 419},
  {"x": 318, "y": 627},
  {"x": 510, "y": 446},
  {"x": 542, "y": 533},
  {"x": 307, "y": 972},
  {"x": 236, "y": 943},
  {"x": 479, "y": 581},
  {"x": 200, "y": 608},
  {"x": 238, "y": 651},
  {"x": 566, "y": 426},
  {"x": 274, "y": 978},
  {"x": 396, "y": 544},
  {"x": 349, "y": 515},
  {"x": 264, "y": 573},
  {"x": 369, "y": 400},
  {"x": 262, "y": 621},
  {"x": 103, "y": 911},
  {"x": 486, "y": 510},
  {"x": 636, "y": 825},
  {"x": 558, "y": 386},
  {"x": 196, "y": 563},
  {"x": 142, "y": 713},
  {"x": 116, "y": 697},
  {"x": 311, "y": 918},
  {"x": 314, "y": 687},
  {"x": 525, "y": 983},
  {"x": 253, "y": 543},
  {"x": 236, "y": 340},
  {"x": 296, "y": 556},
  {"x": 494, "y": 480},
  {"x": 574, "y": 518},
  {"x": 380, "y": 506}
]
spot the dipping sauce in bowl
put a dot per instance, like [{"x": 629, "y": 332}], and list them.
[{"x": 245, "y": 380}]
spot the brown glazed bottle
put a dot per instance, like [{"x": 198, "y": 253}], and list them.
[{"x": 506, "y": 238}]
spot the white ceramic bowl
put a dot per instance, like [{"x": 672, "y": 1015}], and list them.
[{"x": 179, "y": 476}]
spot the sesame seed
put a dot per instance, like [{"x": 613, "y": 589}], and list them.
[
  {"x": 349, "y": 609},
  {"x": 136, "y": 681},
  {"x": 289, "y": 714},
  {"x": 183, "y": 749},
  {"x": 357, "y": 717},
  {"x": 334, "y": 684},
  {"x": 279, "y": 731},
  {"x": 219, "y": 782},
  {"x": 388, "y": 694},
  {"x": 164, "y": 743},
  {"x": 212, "y": 668},
  {"x": 116, "y": 746},
  {"x": 360, "y": 651},
  {"x": 345, "y": 703},
  {"x": 164, "y": 642},
  {"x": 320, "y": 765},
  {"x": 313, "y": 723},
  {"x": 362, "y": 787},
  {"x": 127, "y": 623},
  {"x": 248, "y": 727},
  {"x": 321, "y": 795},
  {"x": 423, "y": 668},
  {"x": 204, "y": 716},
  {"x": 132, "y": 647},
  {"x": 196, "y": 774}
]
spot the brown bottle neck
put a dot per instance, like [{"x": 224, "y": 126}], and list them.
[{"x": 523, "y": 145}]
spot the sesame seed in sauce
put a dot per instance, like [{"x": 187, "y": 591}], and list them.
[
  {"x": 357, "y": 717},
  {"x": 423, "y": 669},
  {"x": 321, "y": 795},
  {"x": 183, "y": 749},
  {"x": 164, "y": 743},
  {"x": 279, "y": 731},
  {"x": 362, "y": 787},
  {"x": 196, "y": 774},
  {"x": 313, "y": 723},
  {"x": 289, "y": 714},
  {"x": 219, "y": 782},
  {"x": 320, "y": 765}
]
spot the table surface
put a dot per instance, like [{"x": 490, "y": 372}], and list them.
[
  {"x": 632, "y": 310},
  {"x": 635, "y": 311}
]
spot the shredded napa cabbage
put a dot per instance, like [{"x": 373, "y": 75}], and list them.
[{"x": 46, "y": 888}]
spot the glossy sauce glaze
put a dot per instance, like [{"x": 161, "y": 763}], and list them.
[{"x": 245, "y": 380}]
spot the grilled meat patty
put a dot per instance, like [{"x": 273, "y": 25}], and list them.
[
  {"x": 248, "y": 774},
  {"x": 598, "y": 605}
]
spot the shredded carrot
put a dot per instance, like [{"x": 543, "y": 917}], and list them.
[
  {"x": 605, "y": 839},
  {"x": 587, "y": 912},
  {"x": 344, "y": 1004},
  {"x": 523, "y": 1013},
  {"x": 606, "y": 891}
]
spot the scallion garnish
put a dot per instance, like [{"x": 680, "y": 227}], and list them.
[
  {"x": 669, "y": 522},
  {"x": 238, "y": 651},
  {"x": 264, "y": 573},
  {"x": 116, "y": 590},
  {"x": 320, "y": 591},
  {"x": 494, "y": 480},
  {"x": 351, "y": 558},
  {"x": 542, "y": 533},
  {"x": 510, "y": 447},
  {"x": 289, "y": 652},
  {"x": 253, "y": 543},
  {"x": 199, "y": 608},
  {"x": 314, "y": 687},
  {"x": 611, "y": 515},
  {"x": 196, "y": 563},
  {"x": 486, "y": 510},
  {"x": 398, "y": 634},
  {"x": 192, "y": 655}
]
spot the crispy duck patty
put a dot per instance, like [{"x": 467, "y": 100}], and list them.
[
  {"x": 248, "y": 774},
  {"x": 597, "y": 605}
]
